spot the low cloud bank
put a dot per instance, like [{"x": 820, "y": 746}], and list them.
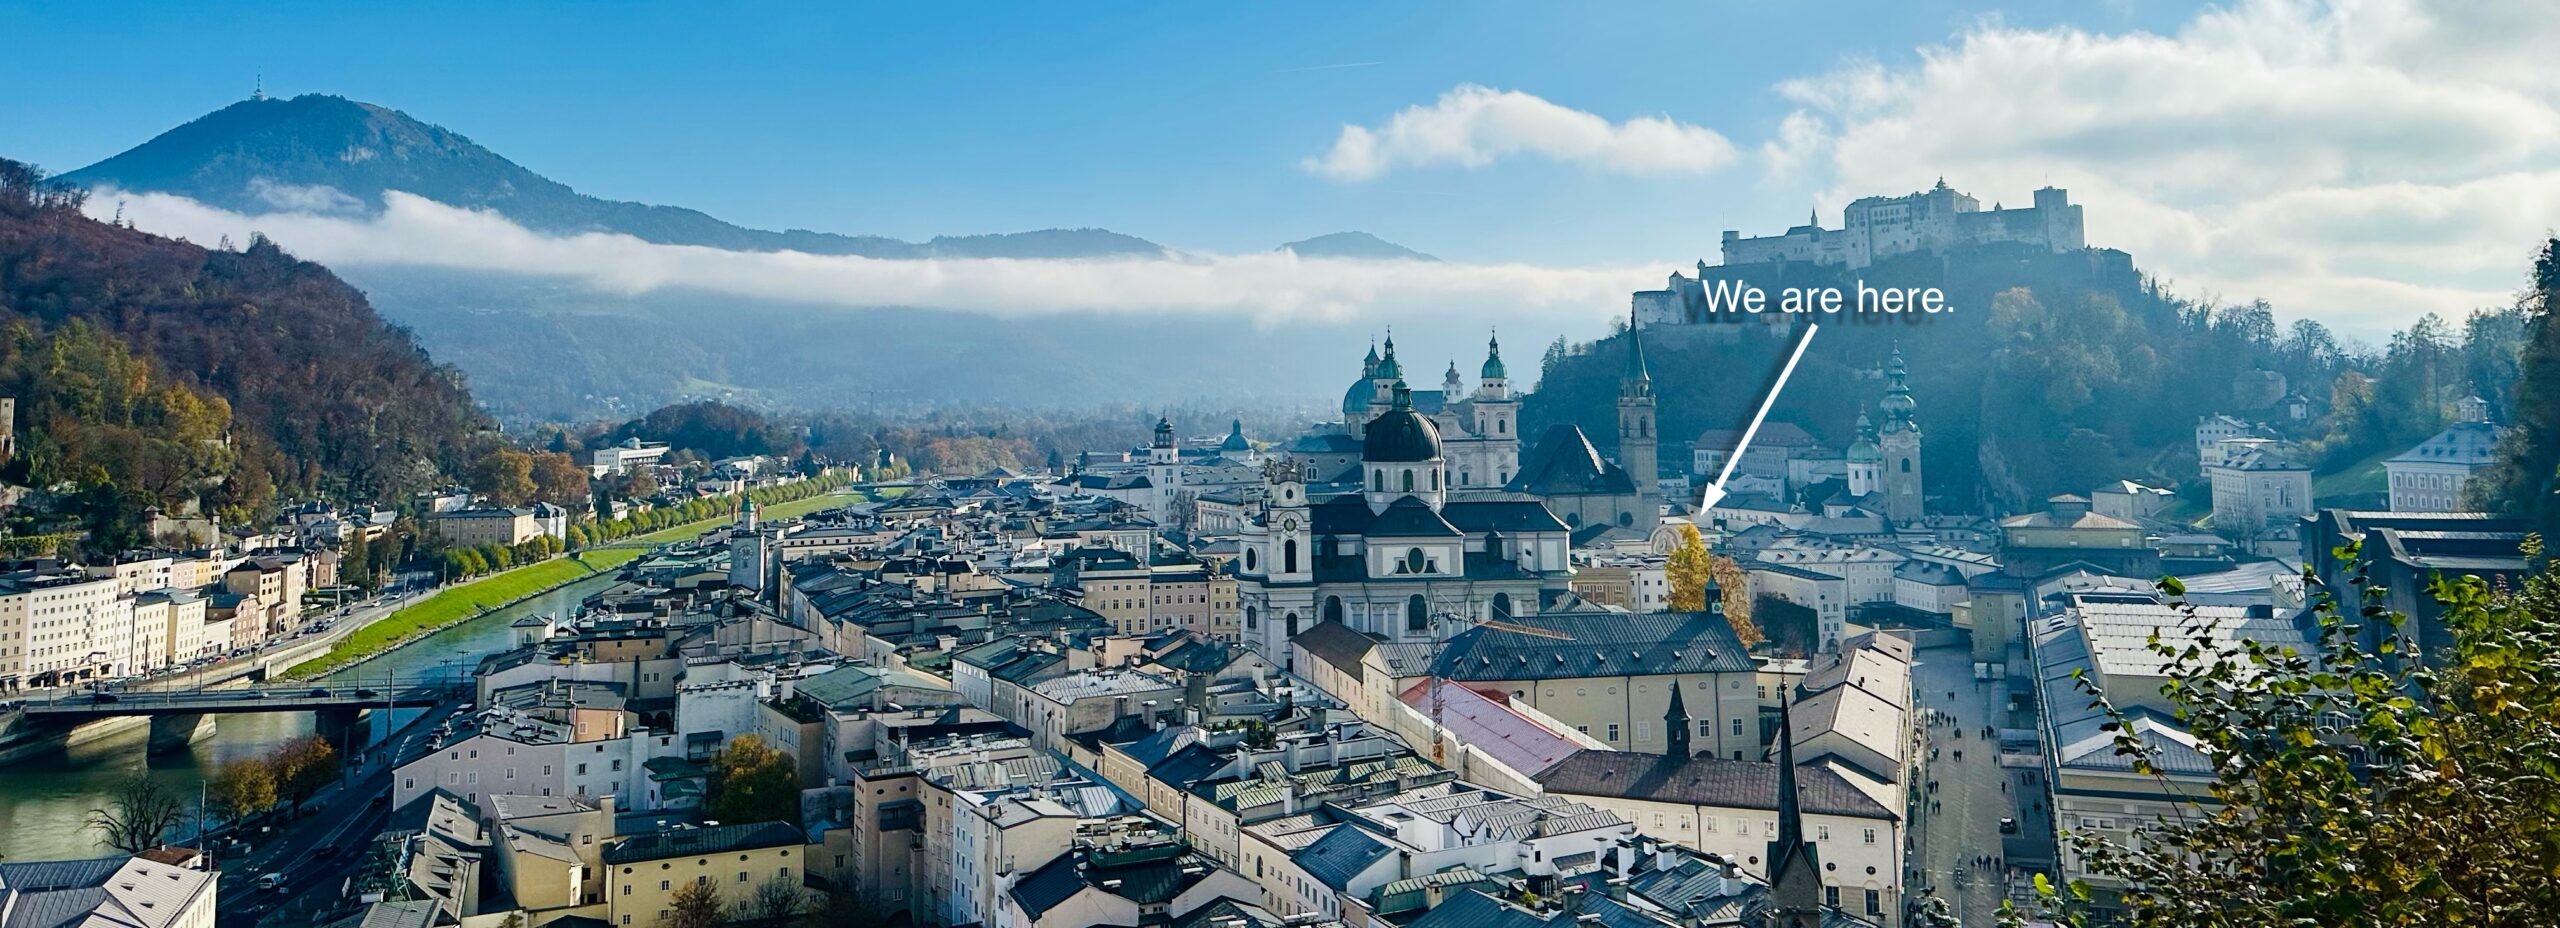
[{"x": 1265, "y": 289}]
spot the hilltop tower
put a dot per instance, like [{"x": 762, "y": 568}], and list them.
[
  {"x": 1899, "y": 445},
  {"x": 1637, "y": 446}
]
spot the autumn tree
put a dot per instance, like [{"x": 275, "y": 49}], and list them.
[
  {"x": 558, "y": 480},
  {"x": 1693, "y": 567},
  {"x": 2356, "y": 784},
  {"x": 246, "y": 786},
  {"x": 505, "y": 476},
  {"x": 753, "y": 782},
  {"x": 140, "y": 811},
  {"x": 696, "y": 905},
  {"x": 304, "y": 765}
]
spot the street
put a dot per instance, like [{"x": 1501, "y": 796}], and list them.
[
  {"x": 318, "y": 852},
  {"x": 1962, "y": 796}
]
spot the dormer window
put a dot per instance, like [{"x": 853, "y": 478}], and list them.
[{"x": 1414, "y": 562}]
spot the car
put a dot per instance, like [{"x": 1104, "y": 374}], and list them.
[
  {"x": 320, "y": 692},
  {"x": 2008, "y": 826},
  {"x": 104, "y": 696},
  {"x": 254, "y": 694},
  {"x": 271, "y": 881},
  {"x": 366, "y": 694}
]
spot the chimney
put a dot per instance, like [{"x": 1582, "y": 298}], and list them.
[{"x": 1153, "y": 723}]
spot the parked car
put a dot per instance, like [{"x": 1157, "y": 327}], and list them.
[
  {"x": 320, "y": 692},
  {"x": 2008, "y": 826}
]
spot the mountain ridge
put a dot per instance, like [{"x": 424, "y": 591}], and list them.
[{"x": 327, "y": 153}]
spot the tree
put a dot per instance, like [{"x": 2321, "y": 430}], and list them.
[
  {"x": 245, "y": 787},
  {"x": 2525, "y": 480},
  {"x": 777, "y": 899},
  {"x": 1693, "y": 566},
  {"x": 304, "y": 765},
  {"x": 558, "y": 480},
  {"x": 696, "y": 905},
  {"x": 139, "y": 813},
  {"x": 639, "y": 484},
  {"x": 505, "y": 475},
  {"x": 2359, "y": 784},
  {"x": 1689, "y": 571},
  {"x": 753, "y": 782}
]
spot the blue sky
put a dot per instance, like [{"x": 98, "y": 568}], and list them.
[
  {"x": 2360, "y": 162},
  {"x": 1183, "y": 122}
]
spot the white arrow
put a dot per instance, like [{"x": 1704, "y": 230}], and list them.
[{"x": 1716, "y": 491}]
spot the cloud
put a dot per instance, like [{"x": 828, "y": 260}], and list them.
[
  {"x": 1474, "y": 126},
  {"x": 1265, "y": 289},
  {"x": 2357, "y": 162},
  {"x": 319, "y": 198}
]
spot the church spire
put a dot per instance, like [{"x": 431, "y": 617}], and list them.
[
  {"x": 1795, "y": 870},
  {"x": 1639, "y": 378},
  {"x": 1675, "y": 729}
]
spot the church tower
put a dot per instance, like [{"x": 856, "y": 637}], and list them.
[
  {"x": 1497, "y": 417},
  {"x": 1795, "y": 871},
  {"x": 1278, "y": 573},
  {"x": 1900, "y": 446},
  {"x": 1636, "y": 438},
  {"x": 1164, "y": 472}
]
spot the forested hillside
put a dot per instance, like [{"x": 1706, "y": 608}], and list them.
[
  {"x": 157, "y": 373},
  {"x": 2054, "y": 374}
]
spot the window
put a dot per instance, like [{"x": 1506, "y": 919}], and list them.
[
  {"x": 1644, "y": 730},
  {"x": 1822, "y": 832},
  {"x": 1831, "y": 896},
  {"x": 1413, "y": 561},
  {"x": 1875, "y": 902},
  {"x": 1871, "y": 836},
  {"x": 1737, "y": 728},
  {"x": 1613, "y": 731},
  {"x": 1289, "y": 556},
  {"x": 1706, "y": 728},
  {"x": 1417, "y": 614}
]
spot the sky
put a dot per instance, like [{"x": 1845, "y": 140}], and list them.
[{"x": 2361, "y": 162}]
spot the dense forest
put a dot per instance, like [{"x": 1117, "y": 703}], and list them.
[
  {"x": 2055, "y": 373},
  {"x": 154, "y": 373}
]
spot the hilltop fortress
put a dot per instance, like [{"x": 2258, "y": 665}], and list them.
[{"x": 1875, "y": 229}]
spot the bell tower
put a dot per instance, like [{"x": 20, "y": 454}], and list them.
[
  {"x": 1899, "y": 444},
  {"x": 1637, "y": 443}
]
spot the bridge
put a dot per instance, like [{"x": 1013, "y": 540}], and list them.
[
  {"x": 78, "y": 708},
  {"x": 36, "y": 728}
]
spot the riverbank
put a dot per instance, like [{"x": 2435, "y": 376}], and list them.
[{"x": 459, "y": 604}]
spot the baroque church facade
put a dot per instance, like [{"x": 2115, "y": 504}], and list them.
[{"x": 1421, "y": 516}]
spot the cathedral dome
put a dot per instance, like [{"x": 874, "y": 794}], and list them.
[
  {"x": 1356, "y": 400},
  {"x": 1400, "y": 435}
]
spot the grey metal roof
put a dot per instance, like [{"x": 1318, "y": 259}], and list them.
[
  {"x": 1339, "y": 856},
  {"x": 1596, "y": 645},
  {"x": 1706, "y": 781}
]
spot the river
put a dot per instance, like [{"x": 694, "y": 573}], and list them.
[{"x": 45, "y": 801}]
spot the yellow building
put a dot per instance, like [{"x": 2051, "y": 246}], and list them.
[{"x": 644, "y": 871}]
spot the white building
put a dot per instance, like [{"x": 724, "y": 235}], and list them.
[
  {"x": 122, "y": 892},
  {"x": 2255, "y": 487},
  {"x": 2432, "y": 476},
  {"x": 1877, "y": 228}
]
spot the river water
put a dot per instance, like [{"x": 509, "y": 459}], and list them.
[{"x": 45, "y": 801}]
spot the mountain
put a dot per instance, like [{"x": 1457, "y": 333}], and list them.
[
  {"x": 155, "y": 373},
  {"x": 328, "y": 153},
  {"x": 1354, "y": 245}
]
